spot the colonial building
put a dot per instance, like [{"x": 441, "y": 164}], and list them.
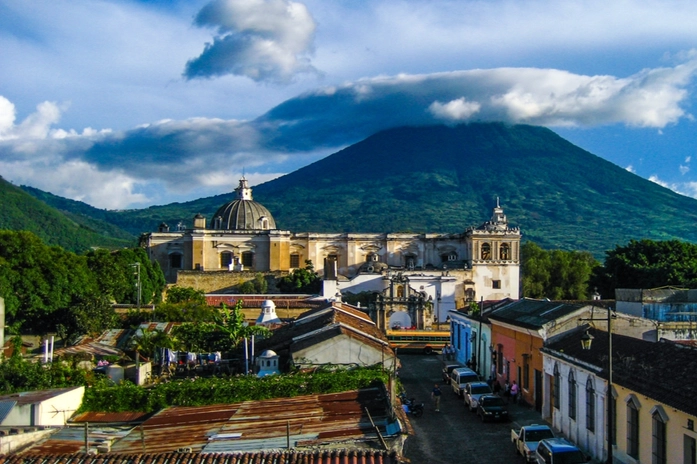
[
  {"x": 242, "y": 236},
  {"x": 653, "y": 396}
]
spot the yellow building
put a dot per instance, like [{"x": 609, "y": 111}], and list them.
[
  {"x": 242, "y": 236},
  {"x": 653, "y": 397}
]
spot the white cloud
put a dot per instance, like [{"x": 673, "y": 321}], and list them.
[
  {"x": 7, "y": 116},
  {"x": 264, "y": 40},
  {"x": 688, "y": 159},
  {"x": 186, "y": 155},
  {"x": 454, "y": 110},
  {"x": 688, "y": 189},
  {"x": 631, "y": 169},
  {"x": 684, "y": 169}
]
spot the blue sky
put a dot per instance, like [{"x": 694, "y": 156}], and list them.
[{"x": 126, "y": 104}]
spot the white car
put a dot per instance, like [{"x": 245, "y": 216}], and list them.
[{"x": 473, "y": 391}]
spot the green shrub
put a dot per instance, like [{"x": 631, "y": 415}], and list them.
[{"x": 103, "y": 397}]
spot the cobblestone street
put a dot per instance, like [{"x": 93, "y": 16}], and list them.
[{"x": 454, "y": 435}]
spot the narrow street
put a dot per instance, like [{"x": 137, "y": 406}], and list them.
[{"x": 454, "y": 435}]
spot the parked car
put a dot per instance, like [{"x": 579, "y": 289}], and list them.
[
  {"x": 461, "y": 376},
  {"x": 559, "y": 451},
  {"x": 492, "y": 407},
  {"x": 473, "y": 391},
  {"x": 447, "y": 369},
  {"x": 528, "y": 437}
]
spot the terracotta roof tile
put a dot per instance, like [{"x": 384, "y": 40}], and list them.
[{"x": 267, "y": 457}]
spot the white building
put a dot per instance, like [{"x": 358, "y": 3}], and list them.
[{"x": 40, "y": 408}]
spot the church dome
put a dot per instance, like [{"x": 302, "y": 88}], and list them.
[{"x": 243, "y": 213}]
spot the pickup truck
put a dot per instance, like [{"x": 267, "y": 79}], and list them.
[{"x": 526, "y": 439}]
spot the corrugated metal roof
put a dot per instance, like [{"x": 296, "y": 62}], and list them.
[
  {"x": 263, "y": 425},
  {"x": 36, "y": 396},
  {"x": 274, "y": 457},
  {"x": 111, "y": 417},
  {"x": 94, "y": 348},
  {"x": 72, "y": 440}
]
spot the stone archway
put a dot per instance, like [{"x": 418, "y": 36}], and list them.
[{"x": 399, "y": 319}]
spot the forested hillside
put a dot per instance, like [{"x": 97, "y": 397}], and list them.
[
  {"x": 445, "y": 179},
  {"x": 21, "y": 211}
]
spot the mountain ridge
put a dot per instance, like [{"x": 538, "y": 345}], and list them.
[
  {"x": 19, "y": 210},
  {"x": 443, "y": 179}
]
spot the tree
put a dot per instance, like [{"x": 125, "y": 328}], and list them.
[
  {"x": 224, "y": 334},
  {"x": 85, "y": 315},
  {"x": 179, "y": 294},
  {"x": 648, "y": 264},
  {"x": 37, "y": 281},
  {"x": 258, "y": 285},
  {"x": 555, "y": 274},
  {"x": 301, "y": 281}
]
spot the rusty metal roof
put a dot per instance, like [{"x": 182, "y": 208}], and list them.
[
  {"x": 110, "y": 417},
  {"x": 312, "y": 420},
  {"x": 94, "y": 348},
  {"x": 68, "y": 440},
  {"x": 273, "y": 457}
]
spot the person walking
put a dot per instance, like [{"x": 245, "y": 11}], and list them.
[
  {"x": 507, "y": 391},
  {"x": 514, "y": 392},
  {"x": 497, "y": 387},
  {"x": 435, "y": 395}
]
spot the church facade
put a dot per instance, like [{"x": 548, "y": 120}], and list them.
[{"x": 481, "y": 262}]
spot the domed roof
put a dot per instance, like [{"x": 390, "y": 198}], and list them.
[{"x": 243, "y": 213}]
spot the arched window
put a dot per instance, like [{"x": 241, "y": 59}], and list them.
[
  {"x": 264, "y": 222},
  {"x": 486, "y": 251},
  {"x": 590, "y": 405},
  {"x": 633, "y": 426},
  {"x": 505, "y": 251},
  {"x": 247, "y": 259},
  {"x": 175, "y": 261},
  {"x": 400, "y": 291},
  {"x": 659, "y": 419},
  {"x": 225, "y": 259},
  {"x": 556, "y": 388},
  {"x": 572, "y": 395}
]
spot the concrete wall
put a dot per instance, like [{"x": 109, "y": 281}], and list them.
[
  {"x": 222, "y": 281},
  {"x": 10, "y": 444}
]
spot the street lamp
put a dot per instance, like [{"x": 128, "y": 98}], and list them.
[{"x": 586, "y": 341}]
